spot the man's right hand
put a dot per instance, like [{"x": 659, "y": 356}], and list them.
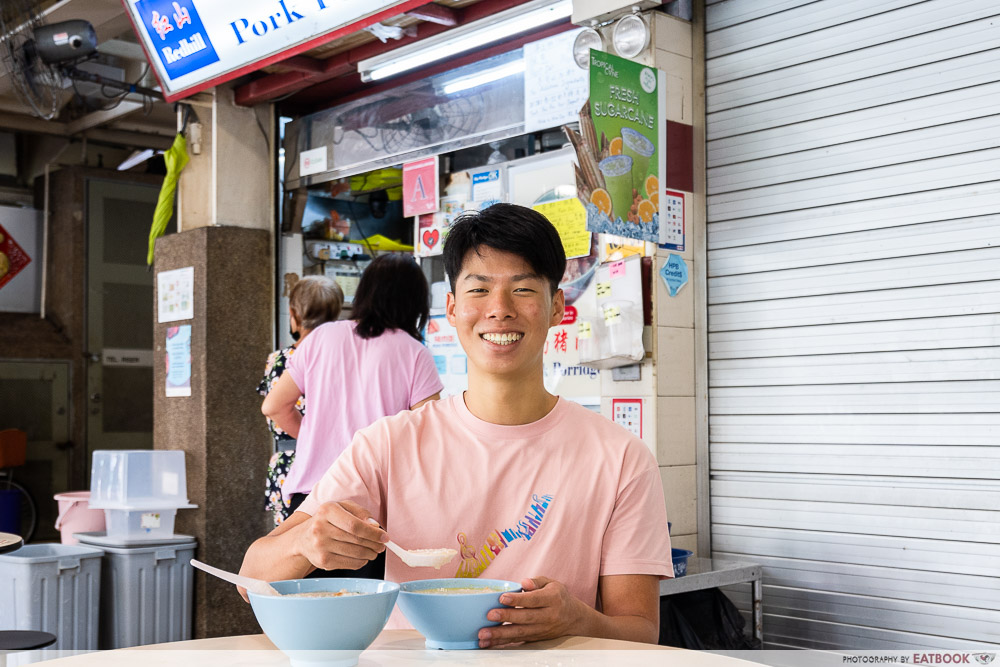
[{"x": 339, "y": 536}]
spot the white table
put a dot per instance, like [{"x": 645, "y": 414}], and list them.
[{"x": 405, "y": 648}]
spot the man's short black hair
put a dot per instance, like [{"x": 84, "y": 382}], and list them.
[{"x": 509, "y": 228}]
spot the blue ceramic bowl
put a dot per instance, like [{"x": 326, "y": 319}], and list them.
[
  {"x": 452, "y": 621},
  {"x": 333, "y": 630}
]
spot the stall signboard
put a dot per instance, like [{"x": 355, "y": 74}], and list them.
[
  {"x": 196, "y": 44},
  {"x": 622, "y": 148},
  {"x": 420, "y": 187}
]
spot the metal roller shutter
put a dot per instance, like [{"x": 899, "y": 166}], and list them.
[{"x": 854, "y": 315}]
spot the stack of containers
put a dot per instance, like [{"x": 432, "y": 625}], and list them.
[{"x": 146, "y": 590}]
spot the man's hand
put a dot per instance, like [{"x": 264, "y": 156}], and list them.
[
  {"x": 339, "y": 536},
  {"x": 546, "y": 610}
]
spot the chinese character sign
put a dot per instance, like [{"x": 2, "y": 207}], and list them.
[{"x": 175, "y": 28}]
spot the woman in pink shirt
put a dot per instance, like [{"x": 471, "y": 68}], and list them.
[{"x": 356, "y": 372}]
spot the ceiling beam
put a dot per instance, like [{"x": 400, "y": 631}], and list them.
[
  {"x": 433, "y": 13},
  {"x": 32, "y": 125},
  {"x": 273, "y": 86},
  {"x": 96, "y": 118}
]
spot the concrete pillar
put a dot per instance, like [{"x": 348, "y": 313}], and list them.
[{"x": 225, "y": 222}]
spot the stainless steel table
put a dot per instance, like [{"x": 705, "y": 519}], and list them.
[{"x": 705, "y": 573}]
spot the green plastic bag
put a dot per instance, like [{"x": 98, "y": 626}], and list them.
[{"x": 176, "y": 159}]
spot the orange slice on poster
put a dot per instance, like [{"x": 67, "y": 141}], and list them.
[
  {"x": 654, "y": 199},
  {"x": 645, "y": 210},
  {"x": 602, "y": 200},
  {"x": 652, "y": 185},
  {"x": 616, "y": 146}
]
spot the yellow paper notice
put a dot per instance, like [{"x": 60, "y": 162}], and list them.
[{"x": 569, "y": 217}]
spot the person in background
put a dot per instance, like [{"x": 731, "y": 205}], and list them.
[
  {"x": 355, "y": 372},
  {"x": 528, "y": 486},
  {"x": 314, "y": 300}
]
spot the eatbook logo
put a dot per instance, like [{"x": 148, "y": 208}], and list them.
[
  {"x": 983, "y": 658},
  {"x": 179, "y": 38}
]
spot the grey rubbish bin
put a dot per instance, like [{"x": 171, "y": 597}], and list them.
[
  {"x": 146, "y": 590},
  {"x": 53, "y": 588}
]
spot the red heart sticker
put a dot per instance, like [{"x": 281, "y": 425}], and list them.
[{"x": 431, "y": 238}]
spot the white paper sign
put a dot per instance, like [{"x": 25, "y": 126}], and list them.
[
  {"x": 175, "y": 295},
  {"x": 554, "y": 86},
  {"x": 312, "y": 161}
]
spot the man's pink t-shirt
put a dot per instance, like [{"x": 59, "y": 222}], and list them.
[
  {"x": 351, "y": 382},
  {"x": 572, "y": 496}
]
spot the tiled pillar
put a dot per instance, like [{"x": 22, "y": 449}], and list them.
[
  {"x": 225, "y": 215},
  {"x": 675, "y": 347}
]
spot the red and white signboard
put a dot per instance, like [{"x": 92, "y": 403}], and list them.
[
  {"x": 196, "y": 44},
  {"x": 420, "y": 187},
  {"x": 12, "y": 258}
]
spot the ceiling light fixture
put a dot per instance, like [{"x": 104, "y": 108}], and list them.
[
  {"x": 137, "y": 157},
  {"x": 499, "y": 26},
  {"x": 630, "y": 35},
  {"x": 585, "y": 41}
]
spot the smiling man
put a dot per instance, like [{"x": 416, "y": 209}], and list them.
[{"x": 526, "y": 486}]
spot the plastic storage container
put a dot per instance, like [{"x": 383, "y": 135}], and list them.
[
  {"x": 146, "y": 523},
  {"x": 146, "y": 591},
  {"x": 53, "y": 588},
  {"x": 140, "y": 491},
  {"x": 137, "y": 479}
]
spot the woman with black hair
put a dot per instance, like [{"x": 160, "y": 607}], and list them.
[{"x": 356, "y": 372}]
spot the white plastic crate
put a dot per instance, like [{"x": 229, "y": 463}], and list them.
[
  {"x": 53, "y": 588},
  {"x": 138, "y": 479},
  {"x": 146, "y": 591},
  {"x": 144, "y": 523}
]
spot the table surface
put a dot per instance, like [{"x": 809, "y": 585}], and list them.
[
  {"x": 399, "y": 647},
  {"x": 9, "y": 542},
  {"x": 705, "y": 573}
]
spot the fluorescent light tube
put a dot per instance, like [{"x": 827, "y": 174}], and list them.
[
  {"x": 465, "y": 38},
  {"x": 137, "y": 157},
  {"x": 488, "y": 76}
]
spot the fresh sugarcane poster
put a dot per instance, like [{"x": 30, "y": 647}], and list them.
[{"x": 621, "y": 148}]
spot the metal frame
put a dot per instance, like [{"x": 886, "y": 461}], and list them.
[{"x": 705, "y": 573}]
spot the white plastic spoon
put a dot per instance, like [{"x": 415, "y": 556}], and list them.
[
  {"x": 257, "y": 586},
  {"x": 419, "y": 557}
]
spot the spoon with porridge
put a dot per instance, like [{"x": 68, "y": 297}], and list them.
[
  {"x": 420, "y": 557},
  {"x": 257, "y": 586}
]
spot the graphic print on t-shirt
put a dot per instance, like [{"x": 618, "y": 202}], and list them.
[{"x": 474, "y": 562}]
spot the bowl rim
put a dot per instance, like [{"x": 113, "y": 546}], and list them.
[
  {"x": 393, "y": 588},
  {"x": 451, "y": 582}
]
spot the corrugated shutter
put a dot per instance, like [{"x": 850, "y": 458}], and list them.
[{"x": 854, "y": 315}]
